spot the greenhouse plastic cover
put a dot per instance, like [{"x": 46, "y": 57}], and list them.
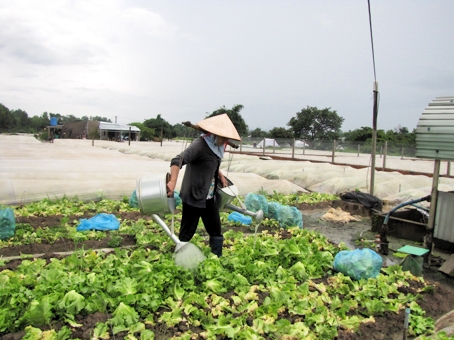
[{"x": 31, "y": 170}]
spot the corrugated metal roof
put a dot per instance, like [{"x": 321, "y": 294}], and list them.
[
  {"x": 435, "y": 130},
  {"x": 117, "y": 127}
]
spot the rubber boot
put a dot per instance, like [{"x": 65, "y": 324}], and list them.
[{"x": 216, "y": 245}]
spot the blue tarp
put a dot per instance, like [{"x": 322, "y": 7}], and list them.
[{"x": 99, "y": 222}]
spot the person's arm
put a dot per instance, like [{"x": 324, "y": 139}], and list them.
[{"x": 172, "y": 183}]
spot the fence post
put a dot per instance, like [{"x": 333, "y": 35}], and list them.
[
  {"x": 384, "y": 154},
  {"x": 358, "y": 149},
  {"x": 334, "y": 151},
  {"x": 304, "y": 145},
  {"x": 274, "y": 145},
  {"x": 448, "y": 170},
  {"x": 129, "y": 137},
  {"x": 381, "y": 150},
  {"x": 241, "y": 146},
  {"x": 402, "y": 154},
  {"x": 293, "y": 149},
  {"x": 263, "y": 146}
]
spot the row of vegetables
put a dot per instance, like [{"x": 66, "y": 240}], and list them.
[{"x": 265, "y": 286}]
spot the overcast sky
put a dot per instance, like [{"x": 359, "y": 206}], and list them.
[{"x": 135, "y": 59}]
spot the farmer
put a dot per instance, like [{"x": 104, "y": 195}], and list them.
[{"x": 202, "y": 175}]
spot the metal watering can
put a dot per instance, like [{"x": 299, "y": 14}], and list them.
[
  {"x": 152, "y": 198},
  {"x": 225, "y": 195}
]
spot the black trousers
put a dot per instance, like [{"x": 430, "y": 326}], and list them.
[{"x": 191, "y": 216}]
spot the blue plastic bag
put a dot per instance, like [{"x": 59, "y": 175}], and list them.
[
  {"x": 289, "y": 217},
  {"x": 133, "y": 201},
  {"x": 359, "y": 263},
  {"x": 178, "y": 201},
  {"x": 99, "y": 222},
  {"x": 273, "y": 209},
  {"x": 7, "y": 223},
  {"x": 254, "y": 203},
  {"x": 238, "y": 217}
]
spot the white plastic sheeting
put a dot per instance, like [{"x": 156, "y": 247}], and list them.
[
  {"x": 268, "y": 142},
  {"x": 31, "y": 170},
  {"x": 300, "y": 144}
]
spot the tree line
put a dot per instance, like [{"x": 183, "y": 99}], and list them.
[{"x": 310, "y": 124}]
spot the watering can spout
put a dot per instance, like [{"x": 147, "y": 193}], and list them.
[
  {"x": 257, "y": 216},
  {"x": 225, "y": 195}
]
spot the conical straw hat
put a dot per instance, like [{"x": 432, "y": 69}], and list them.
[{"x": 220, "y": 125}]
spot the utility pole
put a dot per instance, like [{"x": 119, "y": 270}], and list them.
[{"x": 374, "y": 139}]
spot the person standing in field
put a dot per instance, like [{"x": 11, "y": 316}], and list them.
[{"x": 201, "y": 178}]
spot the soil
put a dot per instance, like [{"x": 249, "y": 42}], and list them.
[{"x": 388, "y": 326}]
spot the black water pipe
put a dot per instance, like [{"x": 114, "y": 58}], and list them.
[
  {"x": 384, "y": 229},
  {"x": 426, "y": 198}
]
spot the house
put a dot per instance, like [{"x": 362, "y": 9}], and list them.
[{"x": 97, "y": 129}]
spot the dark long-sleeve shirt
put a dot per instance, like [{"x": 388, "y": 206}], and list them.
[{"x": 202, "y": 165}]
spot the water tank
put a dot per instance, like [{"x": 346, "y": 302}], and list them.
[{"x": 53, "y": 121}]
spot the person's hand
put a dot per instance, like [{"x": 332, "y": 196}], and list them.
[
  {"x": 171, "y": 188},
  {"x": 223, "y": 180}
]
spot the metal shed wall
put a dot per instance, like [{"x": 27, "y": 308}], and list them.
[
  {"x": 435, "y": 130},
  {"x": 444, "y": 228}
]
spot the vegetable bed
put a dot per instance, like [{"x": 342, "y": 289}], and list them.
[{"x": 276, "y": 284}]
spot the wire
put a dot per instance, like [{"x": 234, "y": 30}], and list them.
[{"x": 372, "y": 40}]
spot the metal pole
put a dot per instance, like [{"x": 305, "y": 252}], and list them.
[
  {"x": 334, "y": 151},
  {"x": 274, "y": 145},
  {"x": 374, "y": 138},
  {"x": 129, "y": 138},
  {"x": 358, "y": 150},
  {"x": 448, "y": 170},
  {"x": 263, "y": 146},
  {"x": 293, "y": 149},
  {"x": 433, "y": 206},
  {"x": 434, "y": 195},
  {"x": 384, "y": 155}
]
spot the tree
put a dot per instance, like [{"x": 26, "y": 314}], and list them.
[
  {"x": 235, "y": 117},
  {"x": 159, "y": 124},
  {"x": 359, "y": 135},
  {"x": 258, "y": 132},
  {"x": 280, "y": 132},
  {"x": 146, "y": 133},
  {"x": 7, "y": 120},
  {"x": 100, "y": 119},
  {"x": 312, "y": 123},
  {"x": 93, "y": 134},
  {"x": 21, "y": 118},
  {"x": 181, "y": 130},
  {"x": 69, "y": 119}
]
